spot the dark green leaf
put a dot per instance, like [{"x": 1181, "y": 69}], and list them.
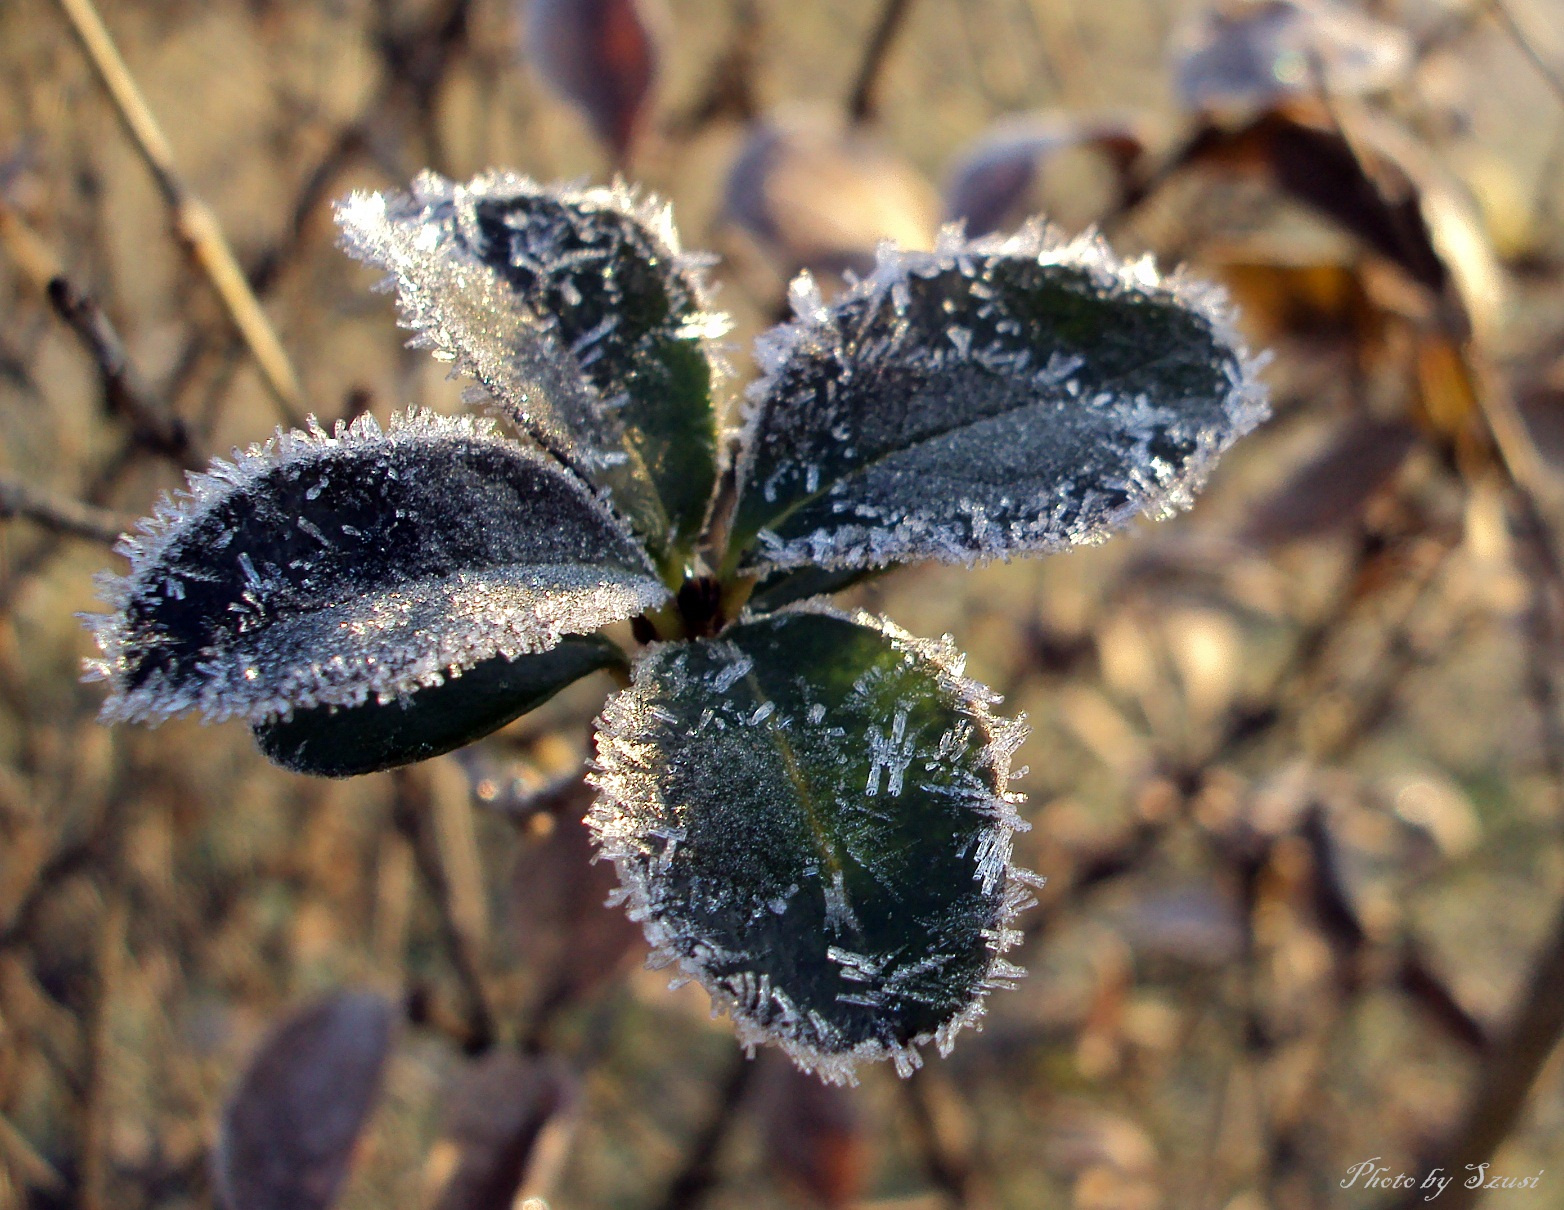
[
  {"x": 578, "y": 312},
  {"x": 991, "y": 398},
  {"x": 343, "y": 741},
  {"x": 810, "y": 815},
  {"x": 336, "y": 571}
]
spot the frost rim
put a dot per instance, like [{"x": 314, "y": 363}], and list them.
[
  {"x": 852, "y": 546},
  {"x": 618, "y": 763},
  {"x": 331, "y": 683},
  {"x": 361, "y": 214}
]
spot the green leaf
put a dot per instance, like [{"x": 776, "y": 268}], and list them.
[
  {"x": 994, "y": 397},
  {"x": 810, "y": 815},
  {"x": 579, "y": 313},
  {"x": 337, "y": 570},
  {"x": 332, "y": 741}
]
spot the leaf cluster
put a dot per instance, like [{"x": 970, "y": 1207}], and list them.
[{"x": 809, "y": 812}]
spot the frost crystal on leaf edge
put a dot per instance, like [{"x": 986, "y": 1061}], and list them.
[
  {"x": 363, "y": 217},
  {"x": 620, "y": 773},
  {"x": 332, "y": 682},
  {"x": 852, "y": 546}
]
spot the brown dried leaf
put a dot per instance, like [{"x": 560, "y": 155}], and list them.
[
  {"x": 287, "y": 1135},
  {"x": 495, "y": 1112},
  {"x": 818, "y": 198},
  {"x": 560, "y": 927},
  {"x": 988, "y": 187},
  {"x": 811, "y": 1133},
  {"x": 601, "y": 56},
  {"x": 1331, "y": 489}
]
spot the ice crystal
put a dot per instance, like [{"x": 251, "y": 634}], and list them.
[
  {"x": 333, "y": 570},
  {"x": 831, "y": 855},
  {"x": 994, "y": 397},
  {"x": 578, "y": 312}
]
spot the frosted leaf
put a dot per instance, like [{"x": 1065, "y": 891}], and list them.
[
  {"x": 995, "y": 397},
  {"x": 822, "y": 840},
  {"x": 345, "y": 741},
  {"x": 578, "y": 312},
  {"x": 325, "y": 570}
]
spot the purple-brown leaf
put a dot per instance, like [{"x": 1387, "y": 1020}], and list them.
[
  {"x": 288, "y": 1133},
  {"x": 600, "y": 56}
]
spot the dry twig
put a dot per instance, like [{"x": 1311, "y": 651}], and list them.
[
  {"x": 193, "y": 219},
  {"x": 60, "y": 513}
]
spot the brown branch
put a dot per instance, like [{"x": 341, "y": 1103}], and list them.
[
  {"x": 194, "y": 221},
  {"x": 1507, "y": 1076},
  {"x": 412, "y": 810},
  {"x": 698, "y": 1174},
  {"x": 863, "y": 101},
  {"x": 151, "y": 423},
  {"x": 60, "y": 513}
]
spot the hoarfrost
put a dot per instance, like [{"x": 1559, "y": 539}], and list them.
[
  {"x": 579, "y": 313},
  {"x": 842, "y": 925},
  {"x": 999, "y": 396},
  {"x": 456, "y": 545}
]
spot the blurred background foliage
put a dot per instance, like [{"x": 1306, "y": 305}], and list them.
[{"x": 1295, "y": 775}]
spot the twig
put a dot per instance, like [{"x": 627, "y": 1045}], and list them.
[
  {"x": 411, "y": 811},
  {"x": 698, "y": 1174},
  {"x": 1507, "y": 1075},
  {"x": 25, "y": 1161},
  {"x": 863, "y": 101},
  {"x": 949, "y": 1171},
  {"x": 93, "y": 1162},
  {"x": 125, "y": 394},
  {"x": 194, "y": 221},
  {"x": 60, "y": 513}
]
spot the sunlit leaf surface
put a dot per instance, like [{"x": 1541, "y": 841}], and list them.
[
  {"x": 994, "y": 397},
  {"x": 810, "y": 815},
  {"x": 335, "y": 571},
  {"x": 578, "y": 312}
]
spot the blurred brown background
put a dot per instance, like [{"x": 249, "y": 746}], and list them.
[{"x": 1296, "y": 765}]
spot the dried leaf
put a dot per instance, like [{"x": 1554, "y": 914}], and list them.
[
  {"x": 1259, "y": 54},
  {"x": 812, "y": 1136},
  {"x": 819, "y": 198},
  {"x": 810, "y": 815},
  {"x": 495, "y": 1111},
  {"x": 322, "y": 571},
  {"x": 1331, "y": 489},
  {"x": 600, "y": 56},
  {"x": 580, "y": 315},
  {"x": 992, "y": 398},
  {"x": 560, "y": 928},
  {"x": 288, "y": 1133},
  {"x": 992, "y": 176}
]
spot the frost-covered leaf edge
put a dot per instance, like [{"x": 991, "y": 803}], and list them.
[
  {"x": 174, "y": 511},
  {"x": 650, "y": 211},
  {"x": 1245, "y": 404},
  {"x": 615, "y": 745}
]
